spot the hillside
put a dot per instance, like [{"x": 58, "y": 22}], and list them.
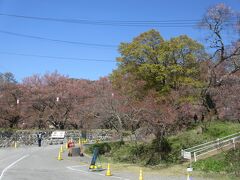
[{"x": 157, "y": 157}]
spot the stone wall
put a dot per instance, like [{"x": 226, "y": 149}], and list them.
[{"x": 29, "y": 137}]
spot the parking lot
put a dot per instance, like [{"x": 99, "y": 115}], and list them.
[{"x": 38, "y": 163}]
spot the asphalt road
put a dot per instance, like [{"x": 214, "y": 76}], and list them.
[{"x": 34, "y": 163}]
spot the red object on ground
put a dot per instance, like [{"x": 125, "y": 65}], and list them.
[{"x": 70, "y": 144}]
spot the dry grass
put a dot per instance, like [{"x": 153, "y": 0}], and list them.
[{"x": 174, "y": 170}]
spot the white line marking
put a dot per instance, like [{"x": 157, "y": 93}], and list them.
[
  {"x": 86, "y": 172},
  {"x": 78, "y": 166},
  {"x": 78, "y": 170},
  {"x": 9, "y": 166}
]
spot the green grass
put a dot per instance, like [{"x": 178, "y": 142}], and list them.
[
  {"x": 214, "y": 130},
  {"x": 226, "y": 163},
  {"x": 212, "y": 164},
  {"x": 192, "y": 137},
  {"x": 147, "y": 154}
]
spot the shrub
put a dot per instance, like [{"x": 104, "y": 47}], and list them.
[{"x": 210, "y": 165}]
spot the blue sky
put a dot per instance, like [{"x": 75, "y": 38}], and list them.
[{"x": 146, "y": 10}]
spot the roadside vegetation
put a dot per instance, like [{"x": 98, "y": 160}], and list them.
[
  {"x": 225, "y": 163},
  {"x": 150, "y": 154}
]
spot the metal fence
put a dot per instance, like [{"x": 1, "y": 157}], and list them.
[{"x": 210, "y": 147}]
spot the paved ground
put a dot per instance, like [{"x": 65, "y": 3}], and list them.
[{"x": 34, "y": 163}]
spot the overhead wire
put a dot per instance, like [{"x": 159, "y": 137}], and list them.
[
  {"x": 163, "y": 23},
  {"x": 158, "y": 23},
  {"x": 57, "y": 40},
  {"x": 57, "y": 57},
  {"x": 102, "y": 22}
]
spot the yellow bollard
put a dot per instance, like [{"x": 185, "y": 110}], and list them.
[
  {"x": 15, "y": 144},
  {"x": 189, "y": 170},
  {"x": 140, "y": 175},
  {"x": 60, "y": 156},
  {"x": 61, "y": 149},
  {"x": 108, "y": 173}
]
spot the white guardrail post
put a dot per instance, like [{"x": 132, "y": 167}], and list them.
[
  {"x": 218, "y": 143},
  {"x": 195, "y": 156},
  {"x": 234, "y": 145},
  {"x": 206, "y": 148}
]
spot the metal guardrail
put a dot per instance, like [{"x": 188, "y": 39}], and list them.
[{"x": 207, "y": 148}]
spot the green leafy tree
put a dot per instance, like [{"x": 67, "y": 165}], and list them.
[
  {"x": 157, "y": 64},
  {"x": 169, "y": 68}
]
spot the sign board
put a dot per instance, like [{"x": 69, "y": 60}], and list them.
[
  {"x": 58, "y": 135},
  {"x": 187, "y": 155},
  {"x": 189, "y": 169}
]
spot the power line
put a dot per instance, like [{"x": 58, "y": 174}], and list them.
[
  {"x": 77, "y": 42},
  {"x": 139, "y": 23},
  {"x": 86, "y": 20},
  {"x": 57, "y": 57},
  {"x": 103, "y": 22},
  {"x": 57, "y": 40}
]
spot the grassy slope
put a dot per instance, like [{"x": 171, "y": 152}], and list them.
[
  {"x": 191, "y": 137},
  {"x": 122, "y": 156},
  {"x": 225, "y": 163},
  {"x": 216, "y": 166},
  {"x": 215, "y": 130}
]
